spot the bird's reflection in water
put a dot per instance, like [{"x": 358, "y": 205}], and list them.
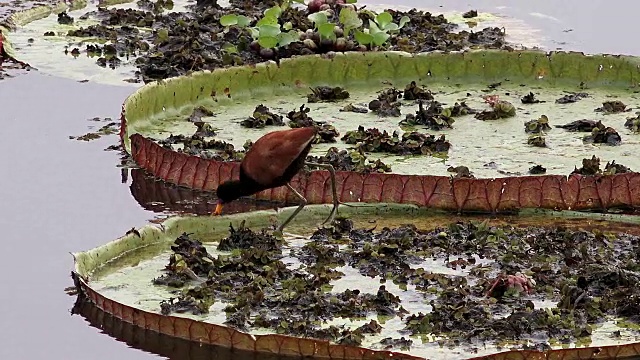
[{"x": 161, "y": 197}]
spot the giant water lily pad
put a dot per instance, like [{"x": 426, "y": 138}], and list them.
[
  {"x": 481, "y": 115},
  {"x": 154, "y": 38},
  {"x": 436, "y": 299}
]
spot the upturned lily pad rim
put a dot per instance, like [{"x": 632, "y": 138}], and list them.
[
  {"x": 566, "y": 70},
  {"x": 529, "y": 67},
  {"x": 24, "y": 17},
  {"x": 87, "y": 262}
]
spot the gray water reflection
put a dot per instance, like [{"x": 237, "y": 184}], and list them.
[
  {"x": 595, "y": 26},
  {"x": 57, "y": 195},
  {"x": 60, "y": 195},
  {"x": 161, "y": 197}
]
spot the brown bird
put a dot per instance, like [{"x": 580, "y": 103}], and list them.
[{"x": 271, "y": 162}]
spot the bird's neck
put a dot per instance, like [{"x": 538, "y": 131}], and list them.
[{"x": 236, "y": 189}]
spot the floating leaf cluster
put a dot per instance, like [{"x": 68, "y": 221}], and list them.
[
  {"x": 411, "y": 143},
  {"x": 300, "y": 118},
  {"x": 500, "y": 109},
  {"x": 327, "y": 94},
  {"x": 589, "y": 275},
  {"x": 592, "y": 167},
  {"x": 571, "y": 98},
  {"x": 612, "y": 107},
  {"x": 633, "y": 124},
  {"x": 603, "y": 135},
  {"x": 387, "y": 103},
  {"x": 248, "y": 32},
  {"x": 350, "y": 160},
  {"x": 530, "y": 98},
  {"x": 262, "y": 117},
  {"x": 435, "y": 116}
]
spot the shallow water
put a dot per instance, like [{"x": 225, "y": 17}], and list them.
[{"x": 61, "y": 195}]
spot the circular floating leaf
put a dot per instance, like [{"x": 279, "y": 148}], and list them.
[
  {"x": 269, "y": 30},
  {"x": 326, "y": 30},
  {"x": 403, "y": 21},
  {"x": 380, "y": 38},
  {"x": 363, "y": 38},
  {"x": 383, "y": 19},
  {"x": 229, "y": 20},
  {"x": 268, "y": 42},
  {"x": 135, "y": 260},
  {"x": 492, "y": 149},
  {"x": 319, "y": 18},
  {"x": 243, "y": 21}
]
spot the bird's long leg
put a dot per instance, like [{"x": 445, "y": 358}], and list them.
[
  {"x": 334, "y": 190},
  {"x": 303, "y": 202}
]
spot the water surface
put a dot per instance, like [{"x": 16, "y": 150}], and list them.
[{"x": 60, "y": 195}]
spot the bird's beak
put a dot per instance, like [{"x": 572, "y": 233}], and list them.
[{"x": 218, "y": 210}]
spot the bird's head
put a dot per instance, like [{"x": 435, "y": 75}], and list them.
[{"x": 227, "y": 192}]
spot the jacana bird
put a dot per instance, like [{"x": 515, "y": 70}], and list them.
[{"x": 271, "y": 162}]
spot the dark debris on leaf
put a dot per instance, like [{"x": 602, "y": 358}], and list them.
[
  {"x": 354, "y": 108},
  {"x": 571, "y": 98},
  {"x": 245, "y": 238},
  {"x": 387, "y": 104},
  {"x": 530, "y": 98},
  {"x": 182, "y": 42},
  {"x": 470, "y": 14},
  {"x": 603, "y": 135},
  {"x": 434, "y": 117},
  {"x": 633, "y": 124},
  {"x": 262, "y": 117},
  {"x": 500, "y": 109},
  {"x": 460, "y": 172},
  {"x": 327, "y": 94},
  {"x": 350, "y": 160},
  {"x": 537, "y": 170},
  {"x": 591, "y": 275},
  {"x": 537, "y": 126},
  {"x": 414, "y": 92},
  {"x": 592, "y": 167},
  {"x": 207, "y": 149},
  {"x": 64, "y": 18},
  {"x": 411, "y": 143},
  {"x": 300, "y": 118},
  {"x": 612, "y": 107},
  {"x": 583, "y": 125},
  {"x": 198, "y": 113},
  {"x": 537, "y": 141}
]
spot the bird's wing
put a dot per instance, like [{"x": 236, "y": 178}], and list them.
[{"x": 271, "y": 155}]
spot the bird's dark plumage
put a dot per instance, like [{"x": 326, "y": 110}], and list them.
[{"x": 272, "y": 161}]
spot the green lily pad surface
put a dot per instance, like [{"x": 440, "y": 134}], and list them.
[
  {"x": 125, "y": 271},
  {"x": 54, "y": 53},
  {"x": 487, "y": 147}
]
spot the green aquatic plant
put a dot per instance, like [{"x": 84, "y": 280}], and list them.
[
  {"x": 350, "y": 20},
  {"x": 379, "y": 29},
  {"x": 285, "y": 4},
  {"x": 384, "y": 22},
  {"x": 234, "y": 20},
  {"x": 268, "y": 31},
  {"x": 321, "y": 22}
]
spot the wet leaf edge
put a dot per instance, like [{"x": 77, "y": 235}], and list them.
[
  {"x": 87, "y": 262},
  {"x": 553, "y": 69}
]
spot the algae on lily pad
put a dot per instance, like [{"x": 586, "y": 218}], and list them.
[
  {"x": 143, "y": 41},
  {"x": 460, "y": 101},
  {"x": 442, "y": 280}
]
